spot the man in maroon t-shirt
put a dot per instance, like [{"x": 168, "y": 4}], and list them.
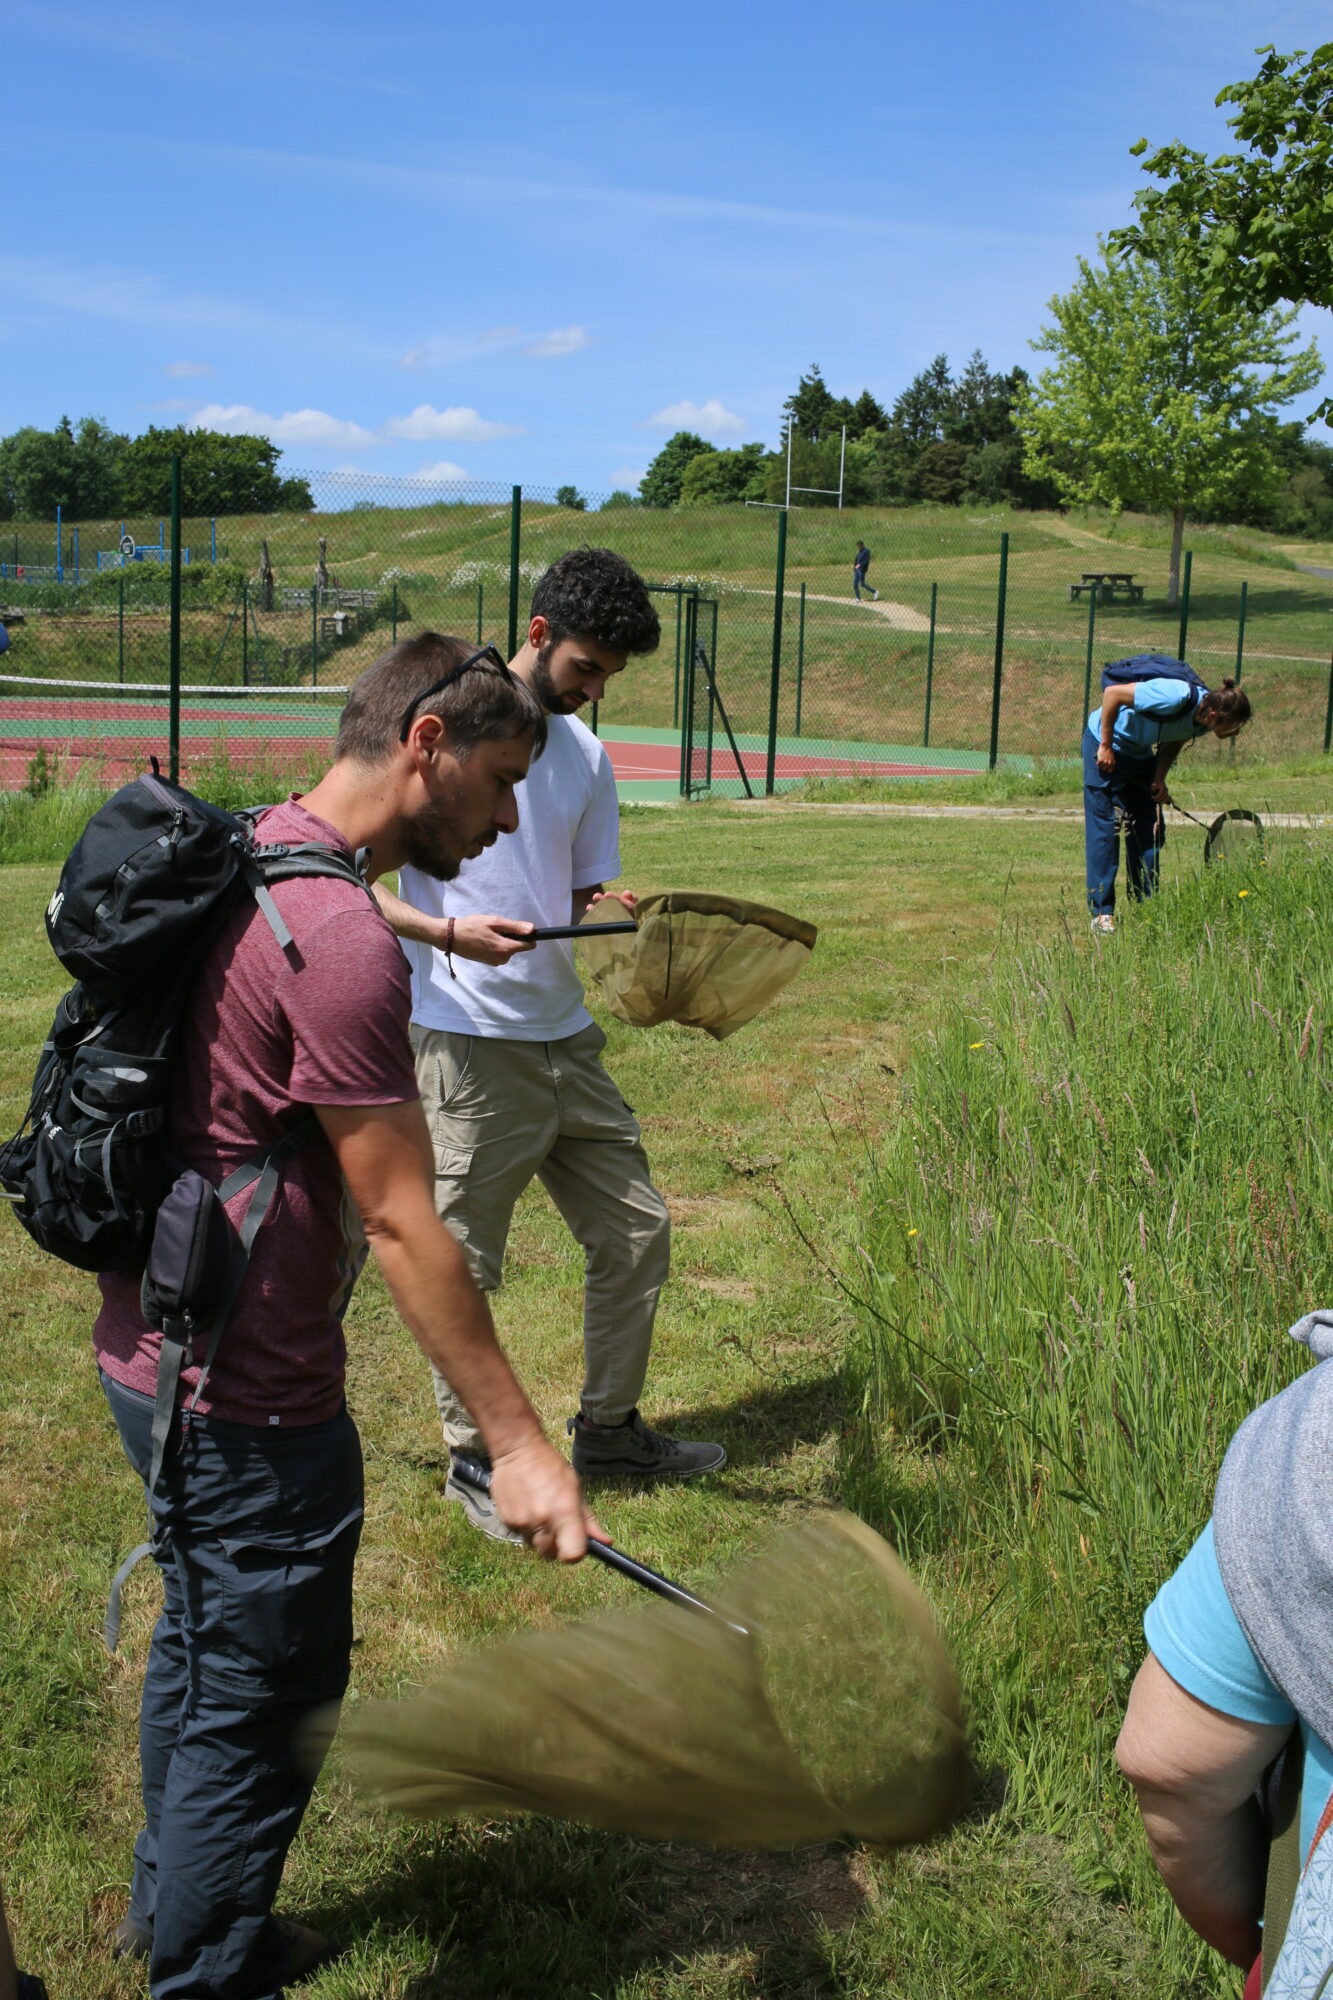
[{"x": 258, "y": 1512}]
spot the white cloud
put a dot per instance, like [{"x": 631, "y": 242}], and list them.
[
  {"x": 561, "y": 340},
  {"x": 626, "y": 478},
  {"x": 443, "y": 473},
  {"x": 183, "y": 369},
  {"x": 458, "y": 424},
  {"x": 309, "y": 427},
  {"x": 710, "y": 419},
  {"x": 444, "y": 350}
]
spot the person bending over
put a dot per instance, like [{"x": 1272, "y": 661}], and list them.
[
  {"x": 258, "y": 1511},
  {"x": 1129, "y": 746},
  {"x": 509, "y": 1058}
]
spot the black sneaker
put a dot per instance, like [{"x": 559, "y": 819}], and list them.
[
  {"x": 631, "y": 1451},
  {"x": 131, "y": 1939},
  {"x": 307, "y": 1950},
  {"x": 479, "y": 1507}
]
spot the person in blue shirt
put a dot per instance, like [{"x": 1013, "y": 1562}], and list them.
[
  {"x": 860, "y": 564},
  {"x": 1129, "y": 745},
  {"x": 1238, "y": 1662}
]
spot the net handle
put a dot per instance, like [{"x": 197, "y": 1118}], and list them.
[{"x": 468, "y": 1472}]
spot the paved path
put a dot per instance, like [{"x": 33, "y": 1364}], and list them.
[{"x": 1070, "y": 815}]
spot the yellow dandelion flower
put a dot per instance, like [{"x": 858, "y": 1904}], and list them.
[
  {"x": 981, "y": 1045},
  {"x": 1242, "y": 892},
  {"x": 913, "y": 1232}
]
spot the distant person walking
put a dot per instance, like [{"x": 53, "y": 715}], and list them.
[{"x": 860, "y": 564}]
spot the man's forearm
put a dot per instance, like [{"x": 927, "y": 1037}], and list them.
[
  {"x": 408, "y": 922},
  {"x": 1213, "y": 1868},
  {"x": 1166, "y": 757}
]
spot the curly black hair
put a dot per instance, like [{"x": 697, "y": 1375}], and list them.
[{"x": 595, "y": 594}]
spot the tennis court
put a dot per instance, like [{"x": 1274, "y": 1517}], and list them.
[{"x": 108, "y": 732}]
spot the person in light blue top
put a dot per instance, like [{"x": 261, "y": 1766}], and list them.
[
  {"x": 1129, "y": 745},
  {"x": 1239, "y": 1652}
]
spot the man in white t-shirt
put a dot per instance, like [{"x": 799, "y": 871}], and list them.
[{"x": 508, "y": 1056}]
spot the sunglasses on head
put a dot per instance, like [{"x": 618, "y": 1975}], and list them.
[{"x": 487, "y": 656}]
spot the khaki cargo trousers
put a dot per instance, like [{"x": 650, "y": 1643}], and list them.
[{"x": 501, "y": 1112}]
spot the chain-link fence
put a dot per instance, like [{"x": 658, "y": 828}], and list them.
[{"x": 977, "y": 639}]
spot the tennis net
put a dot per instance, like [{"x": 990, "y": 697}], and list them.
[{"x": 103, "y": 731}]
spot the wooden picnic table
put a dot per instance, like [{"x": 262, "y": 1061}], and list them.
[{"x": 1106, "y": 585}]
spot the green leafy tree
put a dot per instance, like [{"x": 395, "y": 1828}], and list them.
[
  {"x": 814, "y": 410},
  {"x": 569, "y": 496},
  {"x": 715, "y": 477},
  {"x": 1161, "y": 396},
  {"x": 622, "y": 497},
  {"x": 220, "y": 474},
  {"x": 79, "y": 470},
  {"x": 922, "y": 413},
  {"x": 661, "y": 483},
  {"x": 1260, "y": 221}
]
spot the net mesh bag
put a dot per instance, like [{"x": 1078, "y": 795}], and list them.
[
  {"x": 710, "y": 962},
  {"x": 833, "y": 1712}
]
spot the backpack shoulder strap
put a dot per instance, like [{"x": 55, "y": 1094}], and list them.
[
  {"x": 286, "y": 864},
  {"x": 1284, "y": 1855}
]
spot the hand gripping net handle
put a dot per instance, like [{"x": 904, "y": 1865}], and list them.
[{"x": 469, "y": 1473}]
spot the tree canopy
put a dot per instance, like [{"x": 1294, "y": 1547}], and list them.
[
  {"x": 1161, "y": 395},
  {"x": 1260, "y": 220},
  {"x": 661, "y": 483},
  {"x": 95, "y": 473}
]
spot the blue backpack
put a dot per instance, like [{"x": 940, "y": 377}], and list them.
[{"x": 1156, "y": 667}]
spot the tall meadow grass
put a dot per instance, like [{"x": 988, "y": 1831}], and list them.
[{"x": 1109, "y": 1193}]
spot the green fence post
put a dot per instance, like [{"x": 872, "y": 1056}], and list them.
[
  {"x": 245, "y": 632},
  {"x": 800, "y": 661},
  {"x": 1185, "y": 605},
  {"x": 393, "y": 614},
  {"x": 775, "y": 678},
  {"x": 1328, "y": 717},
  {"x": 686, "y": 712},
  {"x": 999, "y": 653},
  {"x": 930, "y": 665},
  {"x": 515, "y": 533},
  {"x": 1240, "y": 640},
  {"x": 481, "y": 607},
  {"x": 314, "y": 635},
  {"x": 593, "y": 721},
  {"x": 120, "y": 631},
  {"x": 1087, "y": 671},
  {"x": 174, "y": 639},
  {"x": 675, "y": 684}
]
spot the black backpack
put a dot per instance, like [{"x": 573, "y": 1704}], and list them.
[{"x": 142, "y": 896}]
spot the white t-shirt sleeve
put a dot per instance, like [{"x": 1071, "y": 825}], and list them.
[{"x": 596, "y": 845}]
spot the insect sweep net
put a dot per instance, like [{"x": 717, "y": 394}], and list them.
[
  {"x": 710, "y": 962},
  {"x": 834, "y": 1711}
]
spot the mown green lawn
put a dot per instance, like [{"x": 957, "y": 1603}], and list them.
[{"x": 763, "y": 1146}]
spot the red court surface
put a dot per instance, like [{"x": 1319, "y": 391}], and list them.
[{"x": 120, "y": 743}]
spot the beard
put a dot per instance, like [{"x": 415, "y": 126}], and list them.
[
  {"x": 438, "y": 840},
  {"x": 544, "y": 687}
]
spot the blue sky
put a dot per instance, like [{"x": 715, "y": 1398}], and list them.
[{"x": 526, "y": 242}]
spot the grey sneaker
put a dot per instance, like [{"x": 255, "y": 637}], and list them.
[
  {"x": 632, "y": 1451},
  {"x": 479, "y": 1507},
  {"x": 1104, "y": 925}
]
